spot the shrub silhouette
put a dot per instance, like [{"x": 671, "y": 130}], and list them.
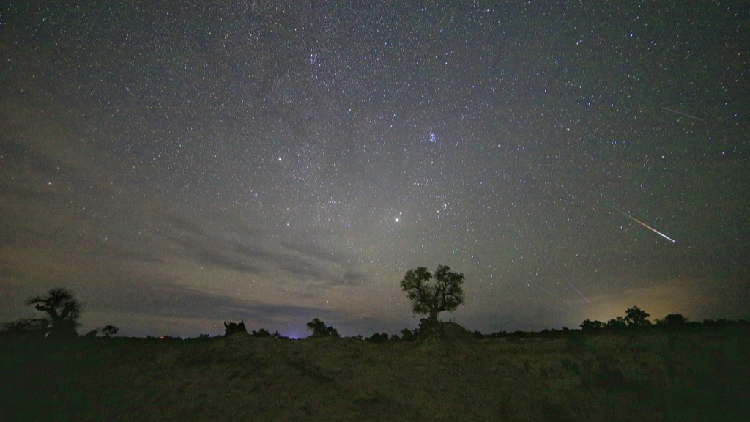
[
  {"x": 588, "y": 325},
  {"x": 409, "y": 335},
  {"x": 26, "y": 328},
  {"x": 231, "y": 328},
  {"x": 672, "y": 320},
  {"x": 378, "y": 338},
  {"x": 261, "y": 333},
  {"x": 319, "y": 329},
  {"x": 634, "y": 317}
]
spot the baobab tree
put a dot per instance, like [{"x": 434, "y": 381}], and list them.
[{"x": 62, "y": 309}]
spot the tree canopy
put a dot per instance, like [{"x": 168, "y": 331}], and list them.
[
  {"x": 319, "y": 329},
  {"x": 62, "y": 309},
  {"x": 637, "y": 317},
  {"x": 672, "y": 320},
  {"x": 445, "y": 294}
]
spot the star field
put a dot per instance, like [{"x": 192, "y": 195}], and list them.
[{"x": 276, "y": 161}]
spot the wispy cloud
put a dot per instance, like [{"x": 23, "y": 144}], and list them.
[
  {"x": 304, "y": 261},
  {"x": 155, "y": 303}
]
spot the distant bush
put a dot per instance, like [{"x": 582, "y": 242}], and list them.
[
  {"x": 672, "y": 320},
  {"x": 724, "y": 323},
  {"x": 378, "y": 338},
  {"x": 231, "y": 328},
  {"x": 319, "y": 329},
  {"x": 262, "y": 333},
  {"x": 519, "y": 334},
  {"x": 409, "y": 335},
  {"x": 617, "y": 323},
  {"x": 499, "y": 334},
  {"x": 588, "y": 325},
  {"x": 25, "y": 328}
]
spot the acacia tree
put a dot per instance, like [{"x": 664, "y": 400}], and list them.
[
  {"x": 445, "y": 294},
  {"x": 62, "y": 309},
  {"x": 110, "y": 330}
]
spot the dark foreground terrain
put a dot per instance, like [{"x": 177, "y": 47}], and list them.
[{"x": 699, "y": 375}]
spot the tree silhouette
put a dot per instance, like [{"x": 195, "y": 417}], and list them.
[
  {"x": 588, "y": 325},
  {"x": 672, "y": 320},
  {"x": 62, "y": 309},
  {"x": 617, "y": 323},
  {"x": 636, "y": 317},
  {"x": 445, "y": 294},
  {"x": 409, "y": 335},
  {"x": 110, "y": 330},
  {"x": 319, "y": 329},
  {"x": 234, "y": 328}
]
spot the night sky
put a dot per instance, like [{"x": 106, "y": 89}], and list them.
[{"x": 180, "y": 164}]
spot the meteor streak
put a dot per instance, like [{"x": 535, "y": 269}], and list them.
[
  {"x": 684, "y": 114},
  {"x": 647, "y": 226}
]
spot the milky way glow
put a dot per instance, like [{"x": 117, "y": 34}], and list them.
[{"x": 180, "y": 164}]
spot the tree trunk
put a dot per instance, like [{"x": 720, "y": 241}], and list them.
[{"x": 433, "y": 318}]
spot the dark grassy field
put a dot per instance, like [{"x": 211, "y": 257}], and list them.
[{"x": 693, "y": 375}]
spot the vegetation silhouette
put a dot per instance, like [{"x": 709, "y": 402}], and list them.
[
  {"x": 231, "y": 328},
  {"x": 110, "y": 330},
  {"x": 261, "y": 333},
  {"x": 672, "y": 321},
  {"x": 409, "y": 335},
  {"x": 429, "y": 299},
  {"x": 26, "y": 328},
  {"x": 319, "y": 329},
  {"x": 378, "y": 338},
  {"x": 670, "y": 367},
  {"x": 62, "y": 309},
  {"x": 636, "y": 317}
]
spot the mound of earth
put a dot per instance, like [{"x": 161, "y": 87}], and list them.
[{"x": 446, "y": 331}]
